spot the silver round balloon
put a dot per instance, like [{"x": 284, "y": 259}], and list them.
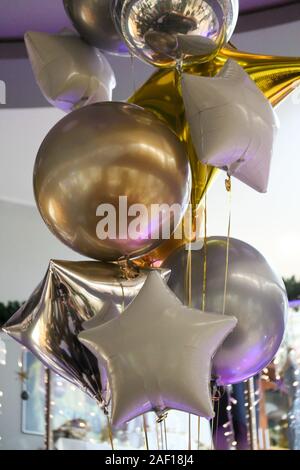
[
  {"x": 165, "y": 32},
  {"x": 256, "y": 296},
  {"x": 101, "y": 173},
  {"x": 93, "y": 21}
]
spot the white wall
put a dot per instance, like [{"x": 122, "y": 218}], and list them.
[{"x": 26, "y": 246}]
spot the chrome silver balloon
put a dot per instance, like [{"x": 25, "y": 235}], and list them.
[
  {"x": 256, "y": 296},
  {"x": 165, "y": 32},
  {"x": 102, "y": 152}
]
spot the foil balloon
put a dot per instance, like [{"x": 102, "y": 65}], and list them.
[
  {"x": 71, "y": 297},
  {"x": 109, "y": 311},
  {"x": 255, "y": 295},
  {"x": 167, "y": 32},
  {"x": 158, "y": 354},
  {"x": 93, "y": 21},
  {"x": 68, "y": 71},
  {"x": 161, "y": 95},
  {"x": 101, "y": 172},
  {"x": 232, "y": 124}
]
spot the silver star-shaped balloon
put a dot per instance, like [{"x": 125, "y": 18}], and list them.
[
  {"x": 232, "y": 123},
  {"x": 71, "y": 297},
  {"x": 158, "y": 354}
]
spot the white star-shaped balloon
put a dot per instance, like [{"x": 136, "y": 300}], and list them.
[
  {"x": 232, "y": 124},
  {"x": 69, "y": 72},
  {"x": 158, "y": 353}
]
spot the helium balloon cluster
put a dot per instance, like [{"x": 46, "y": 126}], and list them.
[{"x": 130, "y": 319}]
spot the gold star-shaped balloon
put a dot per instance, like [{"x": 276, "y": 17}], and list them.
[{"x": 276, "y": 77}]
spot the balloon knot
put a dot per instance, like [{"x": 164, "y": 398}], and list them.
[
  {"x": 228, "y": 183},
  {"x": 162, "y": 416},
  {"x": 128, "y": 270}
]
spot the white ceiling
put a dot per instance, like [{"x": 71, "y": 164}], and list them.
[{"x": 19, "y": 16}]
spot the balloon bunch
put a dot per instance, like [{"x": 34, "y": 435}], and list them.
[{"x": 101, "y": 170}]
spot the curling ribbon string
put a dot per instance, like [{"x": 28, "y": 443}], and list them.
[
  {"x": 229, "y": 192},
  {"x": 188, "y": 284},
  {"x": 217, "y": 423},
  {"x": 157, "y": 435},
  {"x": 190, "y": 432}
]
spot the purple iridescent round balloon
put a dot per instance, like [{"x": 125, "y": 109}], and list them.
[{"x": 256, "y": 296}]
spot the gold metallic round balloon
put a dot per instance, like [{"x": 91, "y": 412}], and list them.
[{"x": 98, "y": 154}]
